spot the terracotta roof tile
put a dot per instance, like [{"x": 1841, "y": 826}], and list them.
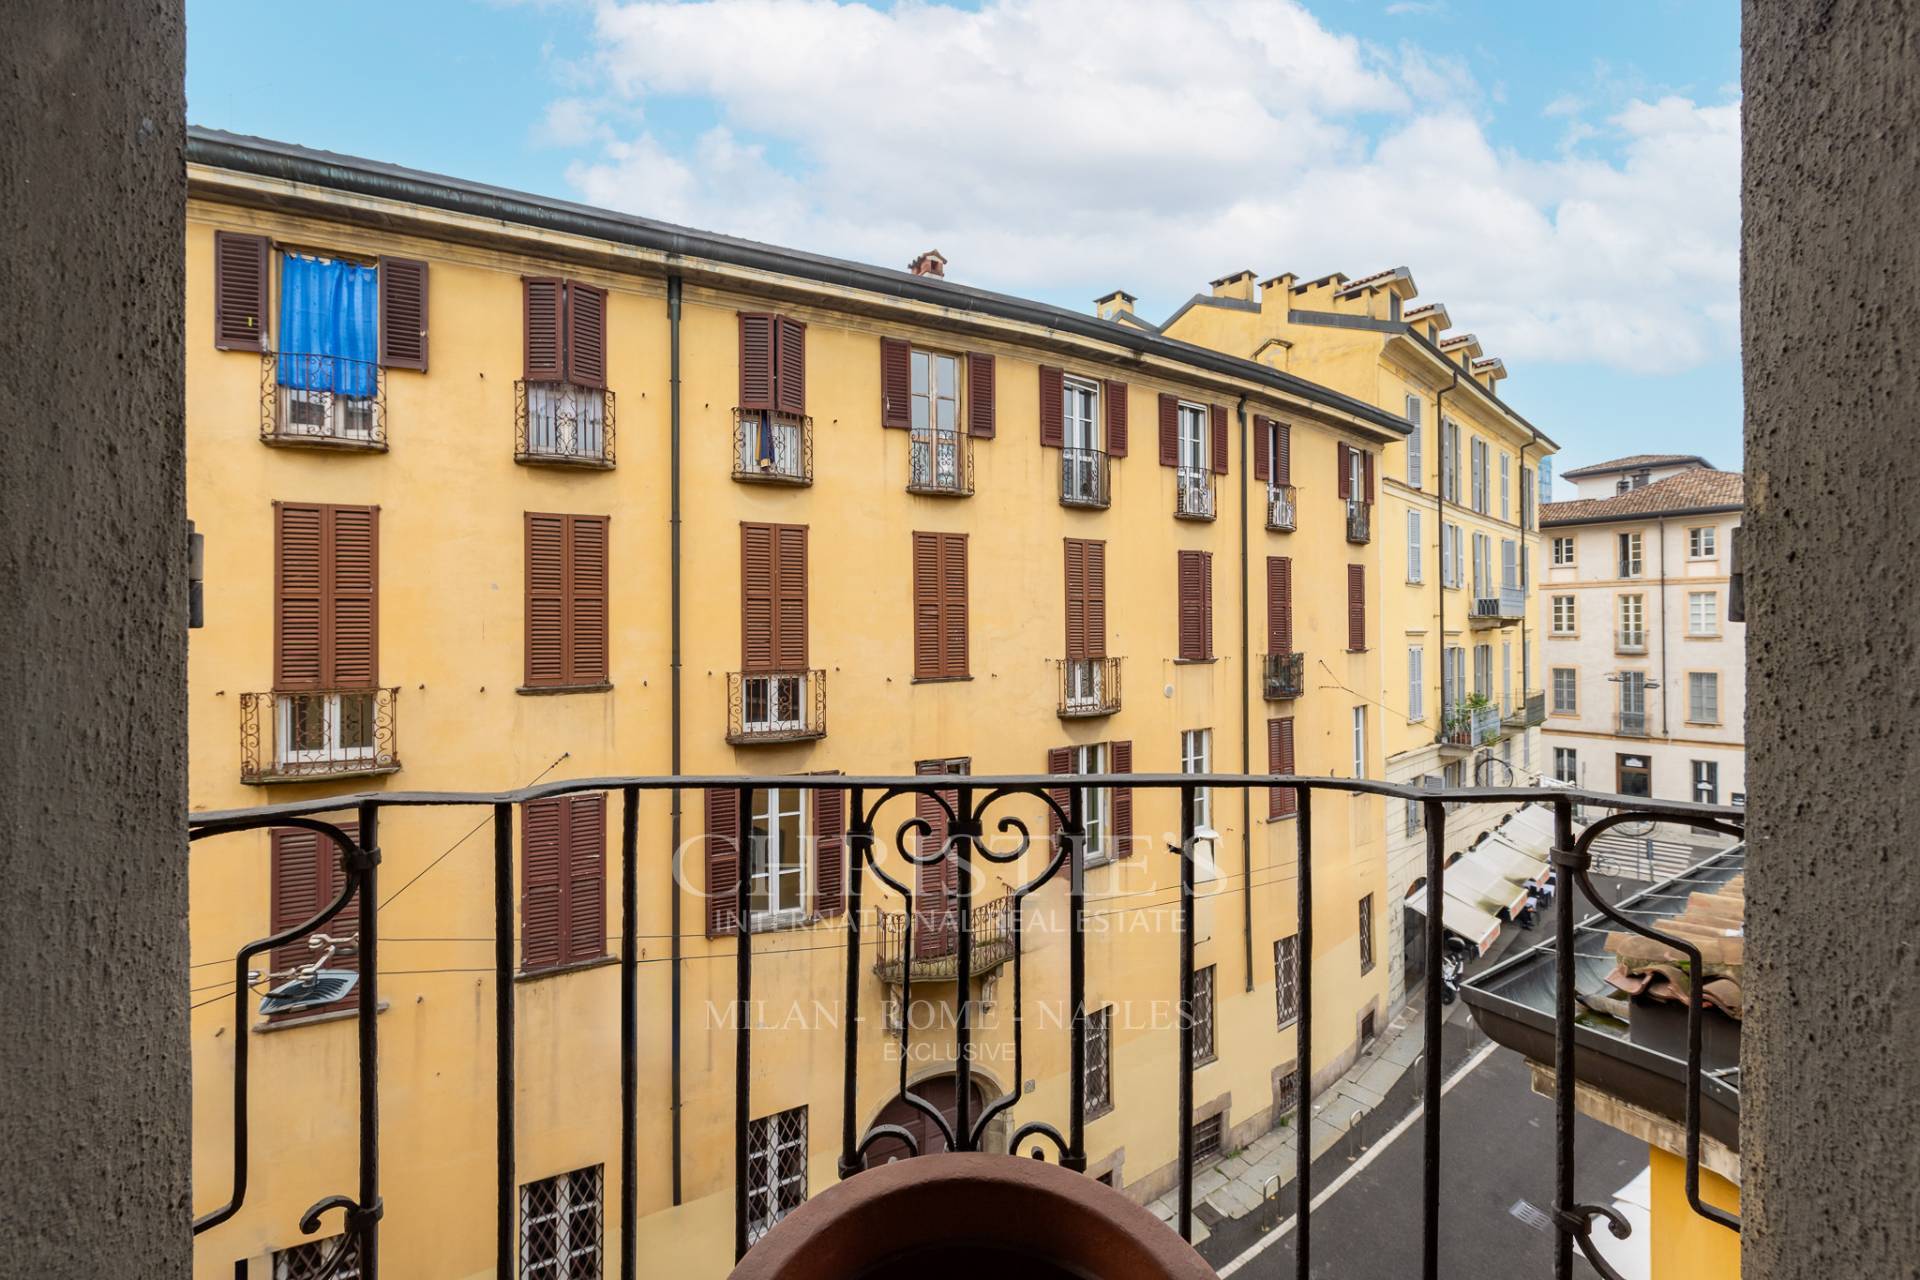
[
  {"x": 1689, "y": 491},
  {"x": 1633, "y": 463}
]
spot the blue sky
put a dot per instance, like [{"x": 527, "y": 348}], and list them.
[{"x": 1564, "y": 177}]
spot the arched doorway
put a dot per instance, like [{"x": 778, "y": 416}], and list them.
[{"x": 941, "y": 1091}]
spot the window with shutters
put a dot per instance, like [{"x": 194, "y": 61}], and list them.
[
  {"x": 562, "y": 1224},
  {"x": 563, "y": 881},
  {"x": 1195, "y": 615},
  {"x": 1089, "y": 677},
  {"x": 1273, "y": 462},
  {"x": 777, "y": 869},
  {"x": 939, "y": 606},
  {"x": 772, "y": 434},
  {"x": 566, "y": 603},
  {"x": 328, "y": 715},
  {"x": 776, "y": 1169},
  {"x": 1284, "y": 672},
  {"x": 1099, "y": 1061},
  {"x": 1202, "y": 1016},
  {"x": 1450, "y": 461},
  {"x": 1416, "y": 683},
  {"x": 1286, "y": 981},
  {"x": 1096, "y": 803},
  {"x": 1360, "y": 742},
  {"x": 1194, "y": 462},
  {"x": 1414, "y": 549},
  {"x": 329, "y": 370},
  {"x": 775, "y": 696},
  {"x": 319, "y": 972},
  {"x": 1506, "y": 485},
  {"x": 1415, "y": 461},
  {"x": 940, "y": 450},
  {"x": 1282, "y": 802},
  {"x": 1355, "y": 485},
  {"x": 1356, "y": 608},
  {"x": 563, "y": 409},
  {"x": 1477, "y": 455}
]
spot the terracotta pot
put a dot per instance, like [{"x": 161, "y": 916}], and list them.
[{"x": 971, "y": 1217}]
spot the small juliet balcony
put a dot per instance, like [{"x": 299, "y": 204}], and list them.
[
  {"x": 1283, "y": 676},
  {"x": 1632, "y": 724},
  {"x": 310, "y": 735},
  {"x": 1193, "y": 496},
  {"x": 323, "y": 402},
  {"x": 776, "y": 706},
  {"x": 1359, "y": 520},
  {"x": 1086, "y": 478},
  {"x": 1089, "y": 687},
  {"x": 1629, "y": 640},
  {"x": 940, "y": 463},
  {"x": 1531, "y": 712},
  {"x": 560, "y": 424},
  {"x": 1468, "y": 726},
  {"x": 935, "y": 942},
  {"x": 1282, "y": 508},
  {"x": 1489, "y": 608},
  {"x": 772, "y": 448}
]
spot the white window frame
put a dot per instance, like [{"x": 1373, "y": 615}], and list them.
[
  {"x": 1450, "y": 461},
  {"x": 1566, "y": 615},
  {"x": 1477, "y": 473},
  {"x": 1191, "y": 437},
  {"x": 1707, "y": 683},
  {"x": 1702, "y": 542},
  {"x": 768, "y": 1138},
  {"x": 1706, "y": 781},
  {"x": 1483, "y": 669},
  {"x": 1632, "y": 555},
  {"x": 1080, "y": 430},
  {"x": 1571, "y": 705},
  {"x": 1414, "y": 550},
  {"x": 1360, "y": 741},
  {"x": 1506, "y": 485},
  {"x": 1562, "y": 543},
  {"x": 1416, "y": 682},
  {"x": 1703, "y": 613},
  {"x": 1630, "y": 618},
  {"x": 780, "y": 698},
  {"x": 1096, "y": 803},
  {"x": 783, "y": 865},
  {"x": 1196, "y": 756},
  {"x": 332, "y": 750},
  {"x": 1566, "y": 765}
]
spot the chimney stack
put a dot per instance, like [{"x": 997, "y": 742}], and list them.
[
  {"x": 930, "y": 263},
  {"x": 1119, "y": 302}
]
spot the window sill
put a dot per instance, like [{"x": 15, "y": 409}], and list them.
[
  {"x": 572, "y": 966},
  {"x": 1105, "y": 1109},
  {"x": 1207, "y": 1061},
  {"x": 1705, "y": 724},
  {"x": 339, "y": 444},
  {"x": 1359, "y": 650},
  {"x": 311, "y": 1019},
  {"x": 941, "y": 679},
  {"x": 328, "y": 775},
  {"x": 1704, "y": 635},
  {"x": 1195, "y": 662},
  {"x": 553, "y": 690}
]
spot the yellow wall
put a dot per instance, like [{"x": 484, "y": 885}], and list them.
[
  {"x": 451, "y": 499},
  {"x": 1685, "y": 1246}
]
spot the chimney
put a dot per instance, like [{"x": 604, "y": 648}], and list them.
[
  {"x": 1239, "y": 286},
  {"x": 1117, "y": 303},
  {"x": 930, "y": 263}
]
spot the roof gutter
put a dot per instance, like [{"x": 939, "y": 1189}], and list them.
[{"x": 371, "y": 178}]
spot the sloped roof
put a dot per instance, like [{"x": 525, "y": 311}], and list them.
[
  {"x": 1696, "y": 489},
  {"x": 1634, "y": 462}
]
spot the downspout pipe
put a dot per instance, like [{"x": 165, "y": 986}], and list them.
[
  {"x": 673, "y": 527},
  {"x": 1246, "y": 715}
]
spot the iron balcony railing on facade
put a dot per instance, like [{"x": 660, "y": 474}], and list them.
[
  {"x": 933, "y": 940},
  {"x": 1465, "y": 726},
  {"x": 772, "y": 448},
  {"x": 1089, "y": 687},
  {"x": 940, "y": 463},
  {"x": 325, "y": 401},
  {"x": 1086, "y": 478},
  {"x": 776, "y": 706},
  {"x": 1508, "y": 604},
  {"x": 991, "y": 822},
  {"x": 1531, "y": 711},
  {"x": 1633, "y": 724},
  {"x": 1193, "y": 493},
  {"x": 1629, "y": 640},
  {"x": 563, "y": 424},
  {"x": 299, "y": 736},
  {"x": 1359, "y": 520},
  {"x": 1284, "y": 675},
  {"x": 1282, "y": 508}
]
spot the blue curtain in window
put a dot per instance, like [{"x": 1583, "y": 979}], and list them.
[{"x": 327, "y": 325}]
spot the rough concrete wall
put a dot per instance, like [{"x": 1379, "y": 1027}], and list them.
[
  {"x": 1831, "y": 1113},
  {"x": 94, "y": 1103}
]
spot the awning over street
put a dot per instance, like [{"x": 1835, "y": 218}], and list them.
[{"x": 1462, "y": 919}]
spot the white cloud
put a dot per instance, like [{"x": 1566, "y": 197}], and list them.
[{"x": 1053, "y": 148}]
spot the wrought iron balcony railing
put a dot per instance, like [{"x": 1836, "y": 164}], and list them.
[
  {"x": 1086, "y": 478},
  {"x": 1359, "y": 520},
  {"x": 772, "y": 448},
  {"x": 1629, "y": 640},
  {"x": 1633, "y": 724},
  {"x": 1284, "y": 675},
  {"x": 1531, "y": 711},
  {"x": 1089, "y": 687},
  {"x": 940, "y": 463},
  {"x": 1282, "y": 511},
  {"x": 987, "y": 820},
  {"x": 1508, "y": 604},
  {"x": 776, "y": 706},
  {"x": 1193, "y": 493},
  {"x": 932, "y": 939},
  {"x": 560, "y": 423},
  {"x": 1470, "y": 726},
  {"x": 322, "y": 400},
  {"x": 297, "y": 737}
]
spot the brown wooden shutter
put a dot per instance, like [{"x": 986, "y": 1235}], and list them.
[
  {"x": 1262, "y": 433},
  {"x": 896, "y": 383},
  {"x": 1279, "y": 604},
  {"x": 756, "y": 360},
  {"x": 543, "y": 300},
  {"x": 723, "y": 861},
  {"x": 239, "y": 291},
  {"x": 1086, "y": 574},
  {"x": 1120, "y": 760},
  {"x": 1206, "y": 603},
  {"x": 757, "y": 613},
  {"x": 403, "y": 313},
  {"x": 586, "y": 335},
  {"x": 932, "y": 881},
  {"x": 1366, "y": 460},
  {"x": 299, "y": 586},
  {"x": 1053, "y": 431},
  {"x": 791, "y": 599},
  {"x": 1344, "y": 480},
  {"x": 546, "y": 607},
  {"x": 790, "y": 366},
  {"x": 1196, "y": 605},
  {"x": 543, "y": 909},
  {"x": 1217, "y": 418},
  {"x": 829, "y": 853},
  {"x": 1169, "y": 430},
  {"x": 586, "y": 877},
  {"x": 1356, "y": 607},
  {"x": 586, "y": 600},
  {"x": 1281, "y": 801},
  {"x": 1283, "y": 454},
  {"x": 1115, "y": 396},
  {"x": 1059, "y": 760},
  {"x": 980, "y": 395},
  {"x": 953, "y": 605},
  {"x": 939, "y": 605},
  {"x": 354, "y": 591},
  {"x": 304, "y": 875}
]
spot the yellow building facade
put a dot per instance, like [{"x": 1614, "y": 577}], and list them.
[
  {"x": 542, "y": 535},
  {"x": 1456, "y": 524}
]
